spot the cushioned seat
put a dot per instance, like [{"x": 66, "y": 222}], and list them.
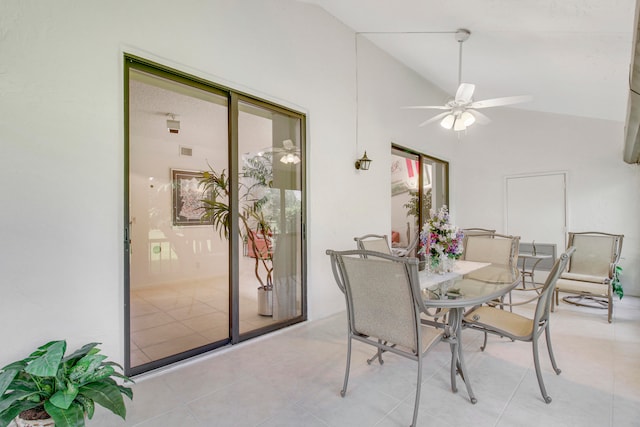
[
  {"x": 492, "y": 320},
  {"x": 591, "y": 270},
  {"x": 383, "y": 301}
]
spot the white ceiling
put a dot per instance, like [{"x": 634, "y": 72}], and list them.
[{"x": 572, "y": 56}]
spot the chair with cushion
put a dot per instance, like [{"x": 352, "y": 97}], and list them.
[
  {"x": 374, "y": 242},
  {"x": 591, "y": 270},
  {"x": 382, "y": 295},
  {"x": 492, "y": 320},
  {"x": 475, "y": 232},
  {"x": 493, "y": 248},
  {"x": 258, "y": 246}
]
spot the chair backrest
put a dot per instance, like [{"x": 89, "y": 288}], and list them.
[
  {"x": 546, "y": 294},
  {"x": 493, "y": 248},
  {"x": 468, "y": 232},
  {"x": 381, "y": 295},
  {"x": 596, "y": 253},
  {"x": 477, "y": 231},
  {"x": 373, "y": 242}
]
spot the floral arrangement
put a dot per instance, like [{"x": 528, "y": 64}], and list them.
[{"x": 440, "y": 239}]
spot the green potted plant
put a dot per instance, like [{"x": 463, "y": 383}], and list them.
[
  {"x": 615, "y": 282},
  {"x": 253, "y": 197},
  {"x": 48, "y": 388}
]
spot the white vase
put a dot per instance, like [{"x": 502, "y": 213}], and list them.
[{"x": 265, "y": 302}]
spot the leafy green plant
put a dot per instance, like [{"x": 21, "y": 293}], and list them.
[
  {"x": 413, "y": 207},
  {"x": 66, "y": 387},
  {"x": 615, "y": 282},
  {"x": 253, "y": 197}
]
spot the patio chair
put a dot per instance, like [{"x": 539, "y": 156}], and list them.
[
  {"x": 493, "y": 248},
  {"x": 475, "y": 232},
  {"x": 374, "y": 242},
  {"x": 492, "y": 320},
  {"x": 382, "y": 295},
  {"x": 591, "y": 270}
]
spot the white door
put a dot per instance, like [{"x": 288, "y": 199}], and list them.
[{"x": 536, "y": 208}]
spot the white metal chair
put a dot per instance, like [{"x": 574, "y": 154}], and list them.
[
  {"x": 383, "y": 302},
  {"x": 492, "y": 320},
  {"x": 591, "y": 270},
  {"x": 493, "y": 248},
  {"x": 374, "y": 242}
]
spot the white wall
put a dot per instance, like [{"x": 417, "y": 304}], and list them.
[
  {"x": 61, "y": 127},
  {"x": 602, "y": 191}
]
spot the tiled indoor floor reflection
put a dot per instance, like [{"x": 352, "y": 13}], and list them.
[
  {"x": 172, "y": 318},
  {"x": 293, "y": 378}
]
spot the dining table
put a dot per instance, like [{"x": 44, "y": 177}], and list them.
[{"x": 469, "y": 284}]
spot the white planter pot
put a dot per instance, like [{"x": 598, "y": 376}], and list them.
[
  {"x": 265, "y": 302},
  {"x": 19, "y": 422}
]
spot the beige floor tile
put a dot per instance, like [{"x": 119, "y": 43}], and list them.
[
  {"x": 293, "y": 377},
  {"x": 174, "y": 346}
]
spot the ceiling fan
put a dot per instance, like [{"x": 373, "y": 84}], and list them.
[
  {"x": 462, "y": 111},
  {"x": 289, "y": 153}
]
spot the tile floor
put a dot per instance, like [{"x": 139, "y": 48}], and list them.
[
  {"x": 167, "y": 319},
  {"x": 293, "y": 378}
]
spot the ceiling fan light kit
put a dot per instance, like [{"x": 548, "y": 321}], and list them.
[{"x": 462, "y": 109}]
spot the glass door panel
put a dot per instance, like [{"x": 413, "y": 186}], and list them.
[
  {"x": 270, "y": 216},
  {"x": 178, "y": 265},
  {"x": 405, "y": 174},
  {"x": 410, "y": 207}
]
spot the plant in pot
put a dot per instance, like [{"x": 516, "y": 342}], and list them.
[
  {"x": 48, "y": 388},
  {"x": 413, "y": 210},
  {"x": 255, "y": 227}
]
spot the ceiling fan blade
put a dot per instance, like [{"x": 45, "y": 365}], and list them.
[
  {"x": 497, "y": 102},
  {"x": 426, "y": 107},
  {"x": 481, "y": 118},
  {"x": 433, "y": 119},
  {"x": 465, "y": 92}
]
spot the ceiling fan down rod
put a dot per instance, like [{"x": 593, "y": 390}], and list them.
[{"x": 461, "y": 36}]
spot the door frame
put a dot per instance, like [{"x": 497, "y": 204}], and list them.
[{"x": 135, "y": 62}]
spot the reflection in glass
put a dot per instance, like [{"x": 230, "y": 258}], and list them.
[
  {"x": 270, "y": 216},
  {"x": 178, "y": 266},
  {"x": 419, "y": 184}
]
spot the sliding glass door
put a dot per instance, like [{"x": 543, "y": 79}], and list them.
[
  {"x": 419, "y": 184},
  {"x": 214, "y": 207},
  {"x": 270, "y": 209}
]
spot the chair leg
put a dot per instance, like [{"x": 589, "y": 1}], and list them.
[
  {"x": 346, "y": 372},
  {"x": 418, "y": 388},
  {"x": 547, "y": 335},
  {"x": 610, "y": 308},
  {"x": 484, "y": 344},
  {"x": 536, "y": 362}
]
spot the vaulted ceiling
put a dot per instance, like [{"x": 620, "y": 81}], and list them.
[{"x": 572, "y": 56}]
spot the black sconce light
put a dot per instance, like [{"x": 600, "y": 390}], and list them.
[{"x": 363, "y": 163}]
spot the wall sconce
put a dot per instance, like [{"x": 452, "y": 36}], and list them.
[
  {"x": 363, "y": 163},
  {"x": 173, "y": 125}
]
